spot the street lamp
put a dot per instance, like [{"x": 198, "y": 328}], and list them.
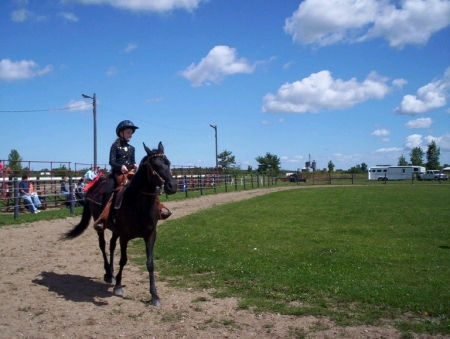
[
  {"x": 94, "y": 103},
  {"x": 215, "y": 129}
]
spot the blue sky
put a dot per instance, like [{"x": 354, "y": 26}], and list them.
[{"x": 349, "y": 81}]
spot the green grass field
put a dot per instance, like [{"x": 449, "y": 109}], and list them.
[{"x": 360, "y": 255}]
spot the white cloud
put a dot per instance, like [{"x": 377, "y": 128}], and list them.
[
  {"x": 111, "y": 71},
  {"x": 22, "y": 15},
  {"x": 68, "y": 16},
  {"x": 79, "y": 105},
  {"x": 389, "y": 150},
  {"x": 414, "y": 140},
  {"x": 428, "y": 97},
  {"x": 385, "y": 140},
  {"x": 325, "y": 22},
  {"x": 442, "y": 142},
  {"x": 419, "y": 123},
  {"x": 24, "y": 69},
  {"x": 380, "y": 132},
  {"x": 147, "y": 5},
  {"x": 130, "y": 47},
  {"x": 320, "y": 90},
  {"x": 399, "y": 83},
  {"x": 220, "y": 62},
  {"x": 155, "y": 99}
]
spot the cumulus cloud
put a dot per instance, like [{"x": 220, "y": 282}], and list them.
[
  {"x": 419, "y": 123},
  {"x": 380, "y": 132},
  {"x": 325, "y": 22},
  {"x": 147, "y": 5},
  {"x": 320, "y": 90},
  {"x": 414, "y": 140},
  {"x": 130, "y": 47},
  {"x": 428, "y": 97},
  {"x": 24, "y": 69},
  {"x": 442, "y": 142},
  {"x": 220, "y": 62},
  {"x": 68, "y": 16}
]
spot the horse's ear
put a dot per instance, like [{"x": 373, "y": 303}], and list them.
[
  {"x": 148, "y": 150},
  {"x": 160, "y": 148}
]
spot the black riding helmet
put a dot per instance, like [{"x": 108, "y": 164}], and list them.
[{"x": 124, "y": 125}]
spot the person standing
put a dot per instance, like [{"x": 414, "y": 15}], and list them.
[
  {"x": 90, "y": 175},
  {"x": 24, "y": 192}
]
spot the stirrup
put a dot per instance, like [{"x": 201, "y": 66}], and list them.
[
  {"x": 99, "y": 227},
  {"x": 164, "y": 213}
]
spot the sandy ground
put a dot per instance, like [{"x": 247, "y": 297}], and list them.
[{"x": 54, "y": 289}]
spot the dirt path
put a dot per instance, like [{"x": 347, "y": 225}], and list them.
[{"x": 54, "y": 289}]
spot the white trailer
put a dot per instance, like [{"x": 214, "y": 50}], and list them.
[{"x": 395, "y": 172}]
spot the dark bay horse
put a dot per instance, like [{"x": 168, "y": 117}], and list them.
[{"x": 136, "y": 218}]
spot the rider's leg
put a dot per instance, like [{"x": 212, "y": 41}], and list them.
[{"x": 110, "y": 185}]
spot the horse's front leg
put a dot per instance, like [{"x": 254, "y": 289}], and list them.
[
  {"x": 149, "y": 245},
  {"x": 109, "y": 277},
  {"x": 118, "y": 290},
  {"x": 109, "y": 273}
]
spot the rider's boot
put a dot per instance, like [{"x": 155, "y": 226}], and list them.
[{"x": 99, "y": 224}]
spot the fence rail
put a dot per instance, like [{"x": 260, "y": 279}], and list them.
[{"x": 189, "y": 185}]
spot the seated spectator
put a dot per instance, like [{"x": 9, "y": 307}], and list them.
[
  {"x": 79, "y": 192},
  {"x": 31, "y": 200},
  {"x": 66, "y": 191}
]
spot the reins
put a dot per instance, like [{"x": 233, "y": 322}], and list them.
[{"x": 150, "y": 172}]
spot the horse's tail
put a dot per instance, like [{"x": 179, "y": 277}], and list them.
[{"x": 81, "y": 227}]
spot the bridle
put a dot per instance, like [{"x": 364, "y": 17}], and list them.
[{"x": 152, "y": 172}]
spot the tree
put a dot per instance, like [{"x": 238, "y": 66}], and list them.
[
  {"x": 226, "y": 160},
  {"x": 416, "y": 156},
  {"x": 15, "y": 162},
  {"x": 433, "y": 154},
  {"x": 269, "y": 164},
  {"x": 364, "y": 167},
  {"x": 402, "y": 161},
  {"x": 331, "y": 166}
]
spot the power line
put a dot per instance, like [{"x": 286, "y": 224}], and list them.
[
  {"x": 47, "y": 110},
  {"x": 148, "y": 122}
]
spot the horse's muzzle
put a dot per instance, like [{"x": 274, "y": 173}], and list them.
[{"x": 170, "y": 187}]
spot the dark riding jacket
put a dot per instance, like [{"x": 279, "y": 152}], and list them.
[{"x": 121, "y": 153}]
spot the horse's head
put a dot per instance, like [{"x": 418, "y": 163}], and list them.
[{"x": 159, "y": 166}]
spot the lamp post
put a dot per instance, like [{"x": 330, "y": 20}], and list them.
[
  {"x": 215, "y": 130},
  {"x": 94, "y": 104}
]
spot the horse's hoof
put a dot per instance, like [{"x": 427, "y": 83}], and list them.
[
  {"x": 156, "y": 302},
  {"x": 118, "y": 291},
  {"x": 109, "y": 279}
]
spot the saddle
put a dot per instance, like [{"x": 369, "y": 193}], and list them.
[{"x": 123, "y": 181}]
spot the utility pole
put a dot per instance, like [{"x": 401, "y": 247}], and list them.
[
  {"x": 94, "y": 104},
  {"x": 217, "y": 161}
]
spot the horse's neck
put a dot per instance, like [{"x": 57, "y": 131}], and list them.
[{"x": 141, "y": 182}]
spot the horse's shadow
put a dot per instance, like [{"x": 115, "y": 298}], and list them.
[{"x": 75, "y": 287}]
